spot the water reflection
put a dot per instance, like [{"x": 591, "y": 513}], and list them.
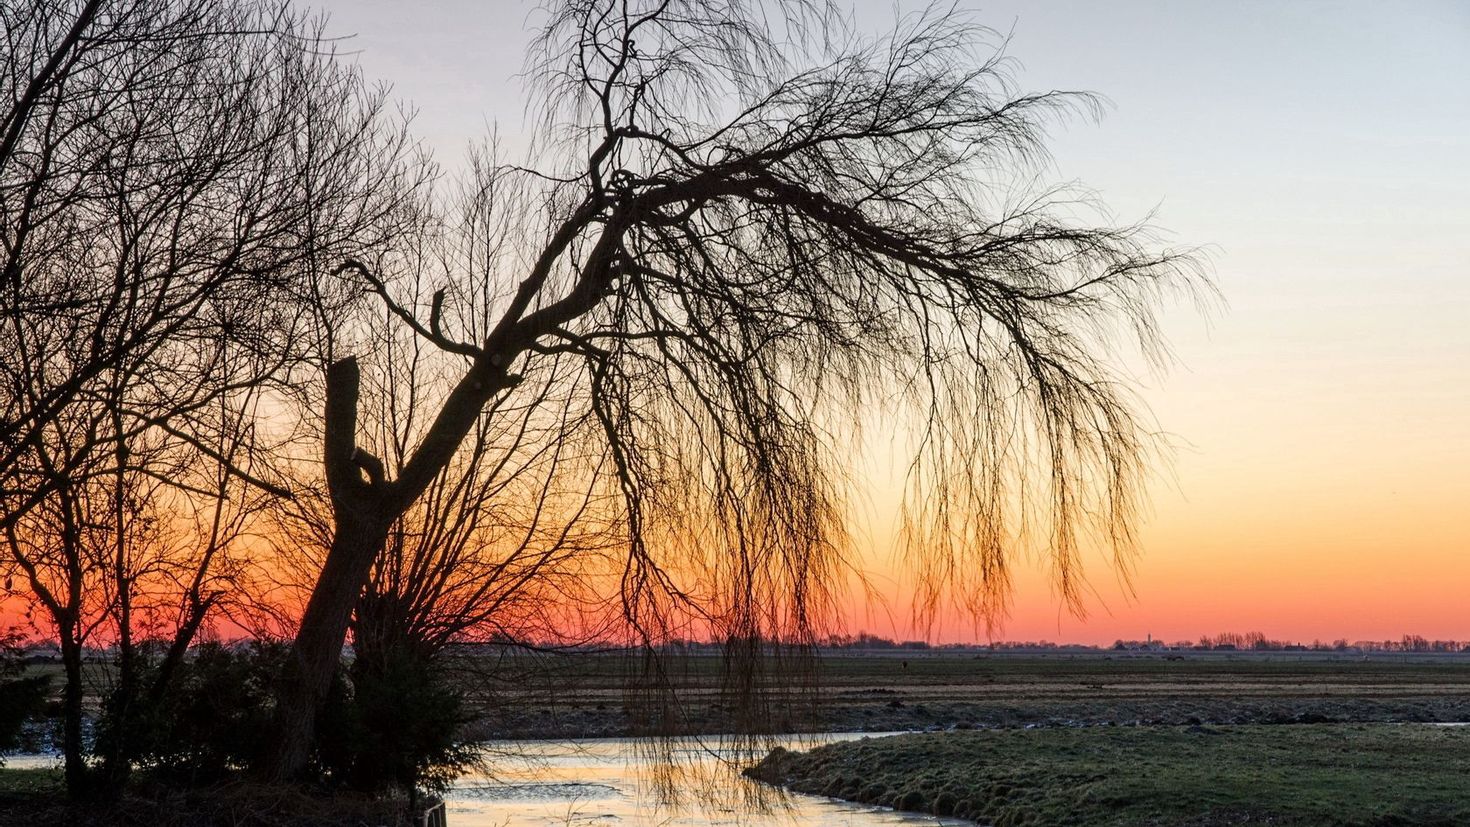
[
  {"x": 602, "y": 782},
  {"x": 616, "y": 781}
]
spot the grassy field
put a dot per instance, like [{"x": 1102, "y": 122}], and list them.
[
  {"x": 583, "y": 694},
  {"x": 26, "y": 783},
  {"x": 1323, "y": 774},
  {"x": 522, "y": 695}
]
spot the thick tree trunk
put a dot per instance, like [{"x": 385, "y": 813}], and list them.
[
  {"x": 362, "y": 519},
  {"x": 364, "y": 504},
  {"x": 317, "y": 650}
]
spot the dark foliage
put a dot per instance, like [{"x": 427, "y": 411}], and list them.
[
  {"x": 394, "y": 724},
  {"x": 21, "y": 698},
  {"x": 212, "y": 719},
  {"x": 173, "y": 175},
  {"x": 392, "y": 721}
]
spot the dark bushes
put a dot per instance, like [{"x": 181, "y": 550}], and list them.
[
  {"x": 212, "y": 720},
  {"x": 391, "y": 722},
  {"x": 394, "y": 724},
  {"x": 21, "y": 698}
]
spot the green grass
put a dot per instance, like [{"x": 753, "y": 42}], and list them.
[{"x": 1359, "y": 775}]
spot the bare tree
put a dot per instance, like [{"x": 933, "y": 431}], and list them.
[
  {"x": 171, "y": 172},
  {"x": 504, "y": 532},
  {"x": 747, "y": 225},
  {"x": 137, "y": 544},
  {"x": 501, "y": 549},
  {"x": 171, "y": 175},
  {"x": 503, "y": 541},
  {"x": 46, "y": 546}
]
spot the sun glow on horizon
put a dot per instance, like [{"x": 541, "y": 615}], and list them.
[{"x": 1321, "y": 160}]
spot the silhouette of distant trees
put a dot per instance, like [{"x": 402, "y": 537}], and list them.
[
  {"x": 743, "y": 225},
  {"x": 1258, "y": 642}
]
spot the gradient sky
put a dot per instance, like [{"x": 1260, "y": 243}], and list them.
[{"x": 1322, "y": 151}]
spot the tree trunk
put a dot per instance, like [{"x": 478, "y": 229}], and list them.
[
  {"x": 71, "y": 717},
  {"x": 364, "y": 506},
  {"x": 318, "y": 646},
  {"x": 362, "y": 521},
  {"x": 116, "y": 753}
]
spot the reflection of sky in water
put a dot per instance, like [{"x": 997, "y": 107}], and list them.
[
  {"x": 533, "y": 792},
  {"x": 613, "y": 781}
]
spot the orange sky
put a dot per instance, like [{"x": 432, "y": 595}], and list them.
[
  {"x": 1318, "y": 491},
  {"x": 1322, "y": 486}
]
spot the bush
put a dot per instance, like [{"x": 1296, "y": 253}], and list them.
[
  {"x": 395, "y": 725},
  {"x": 390, "y": 722},
  {"x": 213, "y": 718},
  {"x": 21, "y": 698}
]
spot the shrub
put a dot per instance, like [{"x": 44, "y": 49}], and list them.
[
  {"x": 395, "y": 725},
  {"x": 391, "y": 722},
  {"x": 213, "y": 718},
  {"x": 21, "y": 698}
]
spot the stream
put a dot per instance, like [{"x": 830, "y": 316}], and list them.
[
  {"x": 600, "y": 782},
  {"x": 613, "y": 781}
]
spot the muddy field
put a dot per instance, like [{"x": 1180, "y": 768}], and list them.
[{"x": 584, "y": 695}]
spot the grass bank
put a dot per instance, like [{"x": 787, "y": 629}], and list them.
[
  {"x": 37, "y": 797},
  {"x": 1320, "y": 774}
]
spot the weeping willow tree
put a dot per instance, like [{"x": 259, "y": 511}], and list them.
[{"x": 742, "y": 227}]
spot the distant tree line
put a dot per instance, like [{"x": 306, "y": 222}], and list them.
[
  {"x": 1258, "y": 642},
  {"x": 1223, "y": 642}
]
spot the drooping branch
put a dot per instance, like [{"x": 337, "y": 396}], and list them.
[{"x": 751, "y": 231}]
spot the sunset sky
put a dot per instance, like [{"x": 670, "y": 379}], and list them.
[{"x": 1321, "y": 153}]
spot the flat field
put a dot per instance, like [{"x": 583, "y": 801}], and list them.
[
  {"x": 1332, "y": 775},
  {"x": 589, "y": 695}
]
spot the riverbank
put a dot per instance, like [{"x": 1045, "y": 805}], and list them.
[
  {"x": 38, "y": 797},
  {"x": 1070, "y": 695},
  {"x": 1318, "y": 775},
  {"x": 539, "y": 782}
]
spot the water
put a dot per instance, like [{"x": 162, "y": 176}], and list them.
[
  {"x": 613, "y": 781},
  {"x": 602, "y": 782}
]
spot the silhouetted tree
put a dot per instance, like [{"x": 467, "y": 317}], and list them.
[
  {"x": 502, "y": 546},
  {"x": 500, "y": 537},
  {"x": 747, "y": 225},
  {"x": 171, "y": 173}
]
